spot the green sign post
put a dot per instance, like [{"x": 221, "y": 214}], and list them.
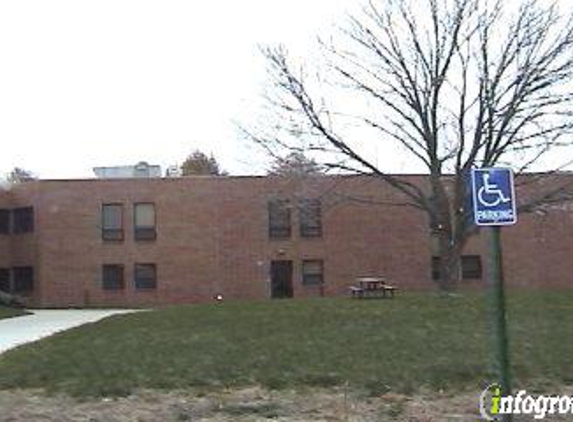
[
  {"x": 497, "y": 307},
  {"x": 493, "y": 198}
]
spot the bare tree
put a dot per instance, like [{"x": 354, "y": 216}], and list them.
[
  {"x": 20, "y": 175},
  {"x": 456, "y": 84}
]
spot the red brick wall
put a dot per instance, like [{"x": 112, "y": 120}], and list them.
[{"x": 212, "y": 237}]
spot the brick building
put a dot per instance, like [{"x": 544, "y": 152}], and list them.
[{"x": 181, "y": 240}]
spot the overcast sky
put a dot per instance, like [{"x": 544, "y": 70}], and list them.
[
  {"x": 89, "y": 83},
  {"x": 112, "y": 82}
]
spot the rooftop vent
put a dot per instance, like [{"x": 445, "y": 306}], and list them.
[{"x": 139, "y": 170}]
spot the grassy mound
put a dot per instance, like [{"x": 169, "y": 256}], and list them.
[{"x": 415, "y": 341}]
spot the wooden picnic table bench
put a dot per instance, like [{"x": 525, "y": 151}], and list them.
[{"x": 372, "y": 287}]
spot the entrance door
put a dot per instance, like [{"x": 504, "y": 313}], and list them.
[{"x": 281, "y": 279}]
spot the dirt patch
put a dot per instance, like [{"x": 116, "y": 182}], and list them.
[{"x": 249, "y": 404}]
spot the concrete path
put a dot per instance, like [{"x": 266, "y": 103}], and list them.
[{"x": 45, "y": 322}]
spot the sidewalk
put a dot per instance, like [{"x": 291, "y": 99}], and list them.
[{"x": 45, "y": 322}]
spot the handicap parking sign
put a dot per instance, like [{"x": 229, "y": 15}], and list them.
[{"x": 493, "y": 197}]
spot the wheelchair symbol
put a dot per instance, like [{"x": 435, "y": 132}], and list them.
[{"x": 491, "y": 190}]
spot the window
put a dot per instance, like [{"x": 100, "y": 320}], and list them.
[
  {"x": 436, "y": 268},
  {"x": 112, "y": 222},
  {"x": 5, "y": 280},
  {"x": 312, "y": 272},
  {"x": 310, "y": 212},
  {"x": 4, "y": 221},
  {"x": 279, "y": 219},
  {"x": 145, "y": 276},
  {"x": 144, "y": 221},
  {"x": 23, "y": 282},
  {"x": 23, "y": 220},
  {"x": 471, "y": 267},
  {"x": 112, "y": 277}
]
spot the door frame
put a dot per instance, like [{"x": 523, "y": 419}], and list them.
[{"x": 281, "y": 289}]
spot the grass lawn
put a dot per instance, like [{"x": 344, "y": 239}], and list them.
[
  {"x": 415, "y": 341},
  {"x": 10, "y": 312}
]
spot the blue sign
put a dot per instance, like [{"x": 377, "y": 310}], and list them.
[{"x": 493, "y": 197}]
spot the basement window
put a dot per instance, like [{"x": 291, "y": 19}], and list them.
[
  {"x": 23, "y": 280},
  {"x": 144, "y": 221},
  {"x": 112, "y": 222},
  {"x": 23, "y": 220},
  {"x": 145, "y": 276},
  {"x": 312, "y": 272},
  {"x": 112, "y": 277}
]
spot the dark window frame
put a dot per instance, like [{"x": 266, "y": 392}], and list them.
[
  {"x": 312, "y": 279},
  {"x": 5, "y": 221},
  {"x": 144, "y": 233},
  {"x": 112, "y": 234},
  {"x": 275, "y": 208},
  {"x": 466, "y": 273},
  {"x": 22, "y": 286},
  {"x": 23, "y": 220},
  {"x": 112, "y": 284},
  {"x": 5, "y": 282},
  {"x": 436, "y": 260},
  {"x": 306, "y": 219},
  {"x": 469, "y": 273},
  {"x": 143, "y": 284}
]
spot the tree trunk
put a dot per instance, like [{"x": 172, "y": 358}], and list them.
[
  {"x": 449, "y": 264},
  {"x": 444, "y": 226}
]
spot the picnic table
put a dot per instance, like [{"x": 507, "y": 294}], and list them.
[{"x": 372, "y": 287}]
